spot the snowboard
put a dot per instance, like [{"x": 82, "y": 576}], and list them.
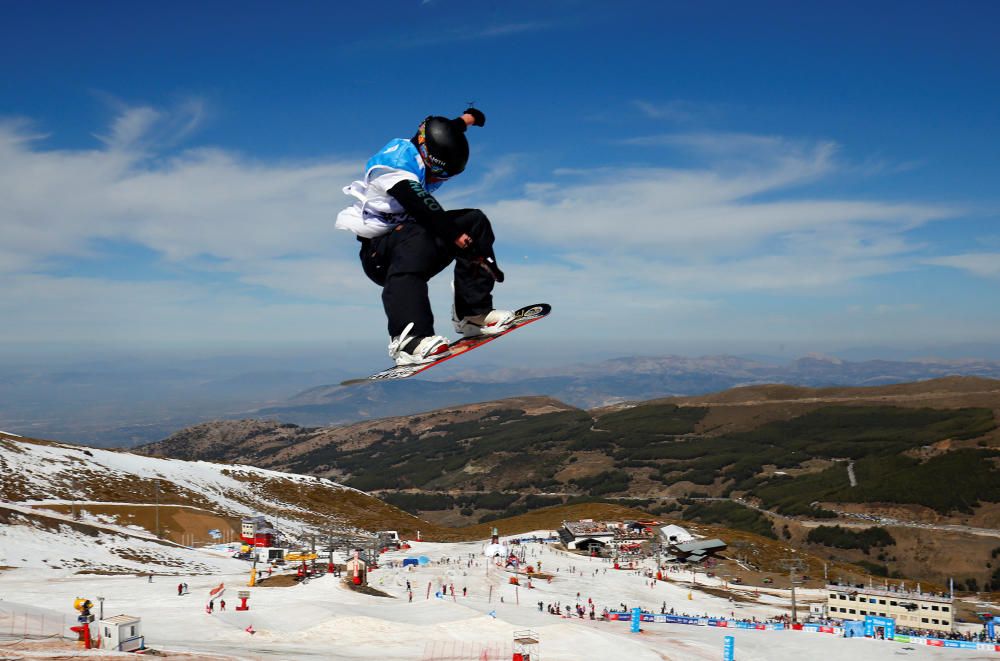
[{"x": 522, "y": 317}]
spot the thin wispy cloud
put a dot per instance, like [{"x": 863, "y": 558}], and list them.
[
  {"x": 982, "y": 264},
  {"x": 145, "y": 127},
  {"x": 712, "y": 210},
  {"x": 470, "y": 33},
  {"x": 679, "y": 111}
]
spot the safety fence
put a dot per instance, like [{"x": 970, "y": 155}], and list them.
[
  {"x": 458, "y": 650},
  {"x": 944, "y": 642},
  {"x": 808, "y": 627},
  {"x": 697, "y": 621},
  {"x": 18, "y": 623}
]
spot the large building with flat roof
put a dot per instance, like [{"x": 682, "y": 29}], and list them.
[
  {"x": 586, "y": 535},
  {"x": 911, "y": 609}
]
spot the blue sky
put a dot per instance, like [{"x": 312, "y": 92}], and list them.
[{"x": 714, "y": 177}]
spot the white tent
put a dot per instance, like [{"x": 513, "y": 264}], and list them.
[
  {"x": 675, "y": 534},
  {"x": 492, "y": 550}
]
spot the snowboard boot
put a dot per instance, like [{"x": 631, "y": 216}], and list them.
[
  {"x": 406, "y": 350},
  {"x": 489, "y": 323}
]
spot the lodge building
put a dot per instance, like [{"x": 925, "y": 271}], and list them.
[{"x": 911, "y": 609}]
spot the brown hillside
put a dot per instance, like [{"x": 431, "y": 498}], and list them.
[
  {"x": 271, "y": 444},
  {"x": 740, "y": 409}
]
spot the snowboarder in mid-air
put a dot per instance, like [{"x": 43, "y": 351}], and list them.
[{"x": 407, "y": 238}]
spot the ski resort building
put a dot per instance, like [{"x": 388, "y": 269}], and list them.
[
  {"x": 590, "y": 535},
  {"x": 586, "y": 535},
  {"x": 911, "y": 609},
  {"x": 697, "y": 550},
  {"x": 258, "y": 531}
]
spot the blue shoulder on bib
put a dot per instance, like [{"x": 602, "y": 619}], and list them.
[{"x": 401, "y": 154}]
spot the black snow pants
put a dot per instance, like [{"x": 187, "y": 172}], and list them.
[{"x": 405, "y": 259}]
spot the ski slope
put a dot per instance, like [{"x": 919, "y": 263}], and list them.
[{"x": 323, "y": 619}]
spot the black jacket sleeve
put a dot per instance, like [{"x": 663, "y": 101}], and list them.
[{"x": 422, "y": 206}]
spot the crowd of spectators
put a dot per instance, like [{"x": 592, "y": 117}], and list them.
[{"x": 977, "y": 637}]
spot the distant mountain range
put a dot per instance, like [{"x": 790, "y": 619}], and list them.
[
  {"x": 129, "y": 402},
  {"x": 612, "y": 381}
]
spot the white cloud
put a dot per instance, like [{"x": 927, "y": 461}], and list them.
[
  {"x": 619, "y": 252},
  {"x": 983, "y": 264},
  {"x": 673, "y": 111},
  {"x": 199, "y": 202}
]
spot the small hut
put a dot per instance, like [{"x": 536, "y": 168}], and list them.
[
  {"x": 357, "y": 571},
  {"x": 122, "y": 633}
]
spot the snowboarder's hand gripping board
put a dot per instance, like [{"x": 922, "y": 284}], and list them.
[{"x": 522, "y": 317}]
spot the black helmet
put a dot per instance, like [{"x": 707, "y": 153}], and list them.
[{"x": 443, "y": 146}]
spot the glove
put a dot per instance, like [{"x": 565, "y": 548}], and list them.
[{"x": 479, "y": 119}]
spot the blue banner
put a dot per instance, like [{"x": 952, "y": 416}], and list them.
[
  {"x": 882, "y": 628},
  {"x": 675, "y": 619},
  {"x": 728, "y": 647}
]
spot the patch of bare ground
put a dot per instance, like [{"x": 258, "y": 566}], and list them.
[
  {"x": 941, "y": 555},
  {"x": 586, "y": 465},
  {"x": 318, "y": 504},
  {"x": 986, "y": 515},
  {"x": 278, "y": 581},
  {"x": 734, "y": 594},
  {"x": 643, "y": 485},
  {"x": 806, "y": 467},
  {"x": 183, "y": 525},
  {"x": 451, "y": 518},
  {"x": 931, "y": 556},
  {"x": 365, "y": 589}
]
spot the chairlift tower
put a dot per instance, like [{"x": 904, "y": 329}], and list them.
[
  {"x": 793, "y": 565},
  {"x": 525, "y": 645}
]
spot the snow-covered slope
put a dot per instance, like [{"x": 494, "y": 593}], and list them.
[{"x": 70, "y": 506}]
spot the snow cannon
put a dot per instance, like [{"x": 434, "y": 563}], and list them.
[
  {"x": 83, "y": 635},
  {"x": 83, "y": 606}
]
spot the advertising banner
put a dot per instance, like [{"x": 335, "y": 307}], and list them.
[
  {"x": 881, "y": 628},
  {"x": 728, "y": 647}
]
